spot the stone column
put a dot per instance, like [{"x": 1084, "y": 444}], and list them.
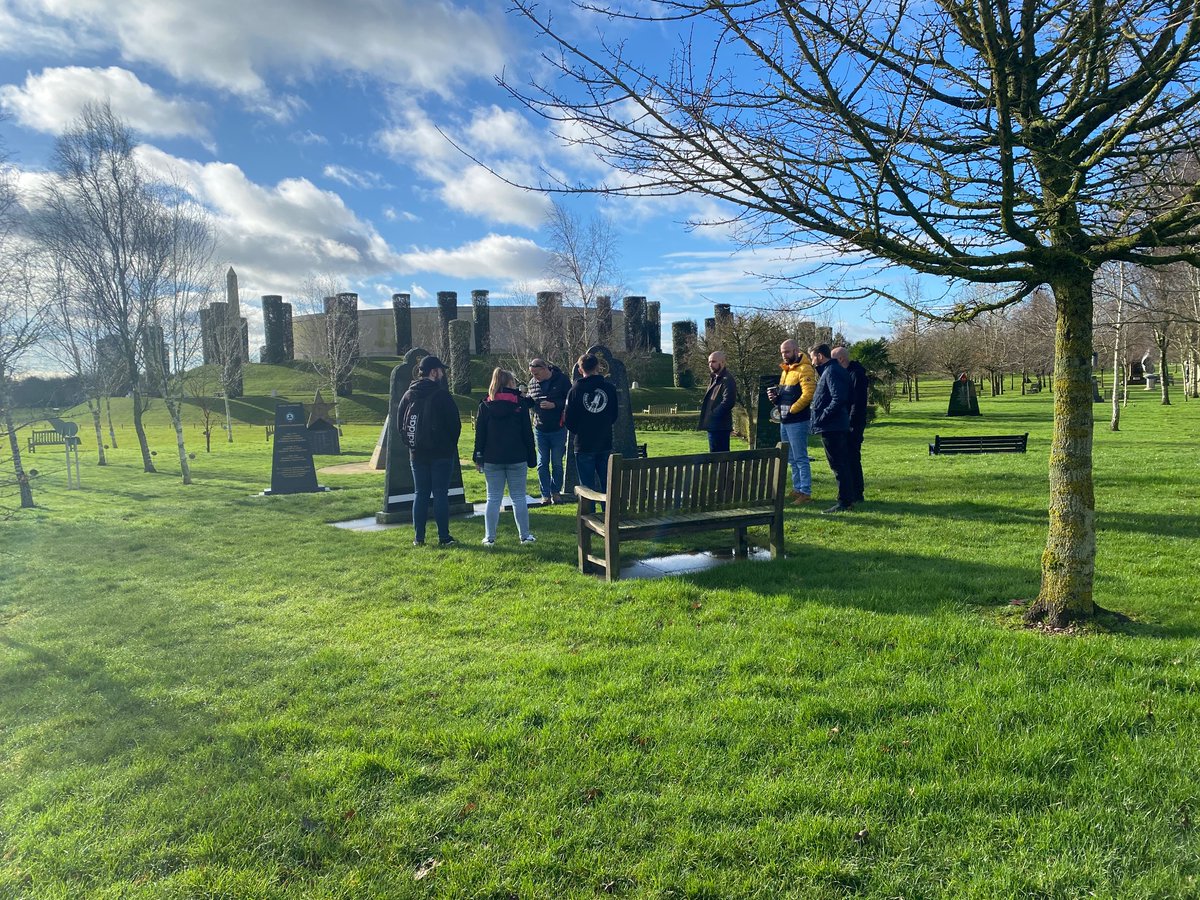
[
  {"x": 604, "y": 324},
  {"x": 683, "y": 342},
  {"x": 460, "y": 357},
  {"x": 723, "y": 316},
  {"x": 654, "y": 326},
  {"x": 289, "y": 343},
  {"x": 272, "y": 307},
  {"x": 447, "y": 302},
  {"x": 549, "y": 304},
  {"x": 402, "y": 315},
  {"x": 635, "y": 323},
  {"x": 710, "y": 332},
  {"x": 208, "y": 339},
  {"x": 237, "y": 351},
  {"x": 481, "y": 318},
  {"x": 806, "y": 335}
]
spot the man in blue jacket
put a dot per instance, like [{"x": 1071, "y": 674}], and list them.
[
  {"x": 547, "y": 400},
  {"x": 831, "y": 420}
]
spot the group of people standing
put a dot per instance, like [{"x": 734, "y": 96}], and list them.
[
  {"x": 822, "y": 392},
  {"x": 514, "y": 432}
]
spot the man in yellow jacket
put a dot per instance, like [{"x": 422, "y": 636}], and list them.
[{"x": 797, "y": 384}]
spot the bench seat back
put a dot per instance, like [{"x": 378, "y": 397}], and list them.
[{"x": 660, "y": 486}]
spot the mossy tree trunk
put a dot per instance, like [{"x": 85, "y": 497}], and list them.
[{"x": 1069, "y": 560}]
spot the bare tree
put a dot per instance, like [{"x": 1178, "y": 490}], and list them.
[
  {"x": 22, "y": 325},
  {"x": 978, "y": 143},
  {"x": 328, "y": 343},
  {"x": 101, "y": 218},
  {"x": 583, "y": 265}
]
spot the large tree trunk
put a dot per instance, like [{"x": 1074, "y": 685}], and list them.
[
  {"x": 1069, "y": 560},
  {"x": 15, "y": 446},
  {"x": 93, "y": 406},
  {"x": 139, "y": 429}
]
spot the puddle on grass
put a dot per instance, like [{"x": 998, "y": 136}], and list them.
[{"x": 687, "y": 563}]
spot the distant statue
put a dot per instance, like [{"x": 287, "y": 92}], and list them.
[{"x": 1147, "y": 364}]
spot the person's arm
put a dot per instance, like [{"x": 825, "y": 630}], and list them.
[
  {"x": 453, "y": 422},
  {"x": 569, "y": 412},
  {"x": 481, "y": 429},
  {"x": 530, "y": 447},
  {"x": 727, "y": 397}
]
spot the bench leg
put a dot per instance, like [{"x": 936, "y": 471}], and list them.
[
  {"x": 612, "y": 557},
  {"x": 740, "y": 548},
  {"x": 777, "y": 538},
  {"x": 585, "y": 545}
]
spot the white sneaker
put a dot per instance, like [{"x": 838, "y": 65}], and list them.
[
  {"x": 528, "y": 539},
  {"x": 488, "y": 542}
]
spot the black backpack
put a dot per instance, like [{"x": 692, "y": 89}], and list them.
[{"x": 413, "y": 421}]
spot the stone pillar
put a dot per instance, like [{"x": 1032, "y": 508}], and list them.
[
  {"x": 635, "y": 323},
  {"x": 481, "y": 318},
  {"x": 710, "y": 332},
  {"x": 289, "y": 343},
  {"x": 238, "y": 339},
  {"x": 272, "y": 307},
  {"x": 402, "y": 314},
  {"x": 683, "y": 342},
  {"x": 208, "y": 337},
  {"x": 549, "y": 320},
  {"x": 460, "y": 356},
  {"x": 447, "y": 302},
  {"x": 806, "y": 335},
  {"x": 824, "y": 335},
  {"x": 723, "y": 316},
  {"x": 604, "y": 320},
  {"x": 654, "y": 326},
  {"x": 341, "y": 324}
]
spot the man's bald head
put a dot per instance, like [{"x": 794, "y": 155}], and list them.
[
  {"x": 790, "y": 351},
  {"x": 841, "y": 355},
  {"x": 716, "y": 361}
]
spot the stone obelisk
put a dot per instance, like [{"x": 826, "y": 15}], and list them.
[{"x": 234, "y": 329}]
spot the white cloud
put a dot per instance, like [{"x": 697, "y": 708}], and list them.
[
  {"x": 395, "y": 215},
  {"x": 235, "y": 45},
  {"x": 466, "y": 185},
  {"x": 49, "y": 101},
  {"x": 496, "y": 256},
  {"x": 276, "y": 236},
  {"x": 355, "y": 178}
]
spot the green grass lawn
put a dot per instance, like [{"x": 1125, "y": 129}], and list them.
[{"x": 209, "y": 693}]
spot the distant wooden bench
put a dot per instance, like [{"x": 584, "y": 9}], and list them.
[
  {"x": 974, "y": 443},
  {"x": 653, "y": 498},
  {"x": 270, "y": 432},
  {"x": 45, "y": 438},
  {"x": 642, "y": 451},
  {"x": 660, "y": 410}
]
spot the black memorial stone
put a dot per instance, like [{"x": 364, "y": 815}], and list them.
[
  {"x": 324, "y": 439},
  {"x": 766, "y": 425},
  {"x": 963, "y": 400},
  {"x": 398, "y": 488},
  {"x": 292, "y": 470}
]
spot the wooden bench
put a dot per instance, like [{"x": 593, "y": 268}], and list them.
[
  {"x": 975, "y": 443},
  {"x": 270, "y": 432},
  {"x": 45, "y": 438},
  {"x": 660, "y": 410},
  {"x": 642, "y": 451},
  {"x": 653, "y": 498}
]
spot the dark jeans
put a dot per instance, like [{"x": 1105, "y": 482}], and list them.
[
  {"x": 854, "y": 463},
  {"x": 837, "y": 452},
  {"x": 718, "y": 441},
  {"x": 592, "y": 470},
  {"x": 432, "y": 478}
]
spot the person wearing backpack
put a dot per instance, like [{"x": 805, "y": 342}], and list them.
[
  {"x": 428, "y": 421},
  {"x": 504, "y": 452}
]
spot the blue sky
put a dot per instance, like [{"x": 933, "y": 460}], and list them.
[{"x": 311, "y": 130}]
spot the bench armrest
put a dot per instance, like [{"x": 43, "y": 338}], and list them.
[{"x": 589, "y": 494}]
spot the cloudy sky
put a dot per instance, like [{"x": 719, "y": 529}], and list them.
[{"x": 314, "y": 132}]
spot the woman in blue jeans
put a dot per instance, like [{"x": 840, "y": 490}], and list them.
[{"x": 504, "y": 453}]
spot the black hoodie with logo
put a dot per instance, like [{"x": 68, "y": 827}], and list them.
[
  {"x": 440, "y": 428},
  {"x": 591, "y": 414}
]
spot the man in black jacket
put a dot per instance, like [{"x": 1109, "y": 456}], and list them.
[
  {"x": 859, "y": 389},
  {"x": 591, "y": 414},
  {"x": 716, "y": 412},
  {"x": 547, "y": 399},
  {"x": 429, "y": 424}
]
